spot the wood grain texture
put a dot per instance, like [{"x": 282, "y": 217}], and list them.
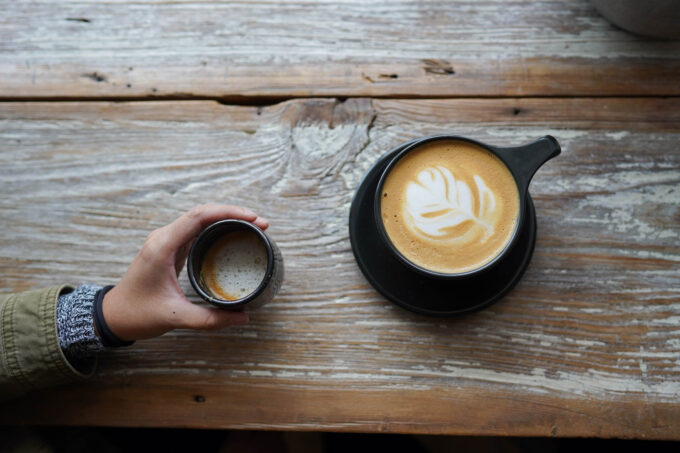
[
  {"x": 126, "y": 48},
  {"x": 588, "y": 344}
]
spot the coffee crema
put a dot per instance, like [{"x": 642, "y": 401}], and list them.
[
  {"x": 449, "y": 206},
  {"x": 234, "y": 265}
]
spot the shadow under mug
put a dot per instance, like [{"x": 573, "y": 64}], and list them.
[
  {"x": 267, "y": 288},
  {"x": 521, "y": 161}
]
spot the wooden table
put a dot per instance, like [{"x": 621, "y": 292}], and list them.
[{"x": 118, "y": 116}]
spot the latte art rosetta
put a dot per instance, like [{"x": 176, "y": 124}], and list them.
[
  {"x": 437, "y": 202},
  {"x": 449, "y": 206}
]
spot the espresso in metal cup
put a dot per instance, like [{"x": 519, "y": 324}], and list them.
[{"x": 235, "y": 265}]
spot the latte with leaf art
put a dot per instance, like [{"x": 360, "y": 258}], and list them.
[{"x": 450, "y": 206}]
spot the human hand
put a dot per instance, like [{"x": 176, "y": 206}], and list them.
[{"x": 148, "y": 301}]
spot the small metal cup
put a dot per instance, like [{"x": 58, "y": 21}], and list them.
[{"x": 267, "y": 288}]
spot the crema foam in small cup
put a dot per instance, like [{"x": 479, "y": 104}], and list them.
[
  {"x": 450, "y": 206},
  {"x": 234, "y": 265}
]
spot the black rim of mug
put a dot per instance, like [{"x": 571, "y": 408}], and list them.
[
  {"x": 377, "y": 202},
  {"x": 200, "y": 247}
]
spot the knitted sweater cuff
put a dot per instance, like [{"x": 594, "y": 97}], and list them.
[{"x": 75, "y": 326}]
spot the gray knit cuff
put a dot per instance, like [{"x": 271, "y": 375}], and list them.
[{"x": 75, "y": 326}]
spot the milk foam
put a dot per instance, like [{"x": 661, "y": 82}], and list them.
[
  {"x": 436, "y": 201},
  {"x": 235, "y": 265},
  {"x": 449, "y": 206}
]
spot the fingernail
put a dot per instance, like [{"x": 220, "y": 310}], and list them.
[
  {"x": 263, "y": 220},
  {"x": 248, "y": 212}
]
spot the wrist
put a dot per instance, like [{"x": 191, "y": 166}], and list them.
[{"x": 107, "y": 321}]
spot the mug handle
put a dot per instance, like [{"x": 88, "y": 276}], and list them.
[{"x": 524, "y": 160}]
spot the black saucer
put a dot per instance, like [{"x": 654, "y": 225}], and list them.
[{"x": 416, "y": 292}]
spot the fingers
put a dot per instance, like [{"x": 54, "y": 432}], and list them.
[
  {"x": 261, "y": 223},
  {"x": 190, "y": 224},
  {"x": 203, "y": 318},
  {"x": 187, "y": 227}
]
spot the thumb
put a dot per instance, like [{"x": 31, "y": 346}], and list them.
[{"x": 204, "y": 318}]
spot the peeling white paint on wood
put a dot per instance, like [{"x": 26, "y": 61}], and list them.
[{"x": 259, "y": 48}]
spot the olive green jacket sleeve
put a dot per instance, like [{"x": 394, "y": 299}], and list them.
[{"x": 30, "y": 354}]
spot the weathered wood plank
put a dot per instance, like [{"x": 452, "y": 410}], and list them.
[
  {"x": 213, "y": 49},
  {"x": 587, "y": 344}
]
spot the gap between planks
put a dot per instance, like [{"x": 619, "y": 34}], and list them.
[{"x": 263, "y": 101}]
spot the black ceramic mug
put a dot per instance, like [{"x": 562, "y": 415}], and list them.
[
  {"x": 251, "y": 244},
  {"x": 521, "y": 162}
]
